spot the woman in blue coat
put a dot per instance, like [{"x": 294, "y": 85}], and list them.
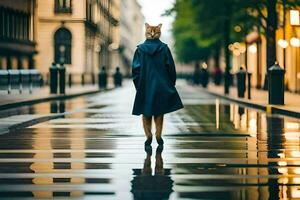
[{"x": 154, "y": 77}]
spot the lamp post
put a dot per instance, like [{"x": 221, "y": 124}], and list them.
[
  {"x": 283, "y": 44},
  {"x": 284, "y": 8},
  {"x": 295, "y": 41}
]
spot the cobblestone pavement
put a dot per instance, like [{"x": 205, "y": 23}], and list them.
[{"x": 213, "y": 150}]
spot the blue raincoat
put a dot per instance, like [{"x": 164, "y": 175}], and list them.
[{"x": 154, "y": 77}]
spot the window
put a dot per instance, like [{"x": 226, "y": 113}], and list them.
[
  {"x": 89, "y": 10},
  {"x": 63, "y": 6},
  {"x": 62, "y": 46}
]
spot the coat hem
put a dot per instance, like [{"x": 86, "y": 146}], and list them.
[{"x": 157, "y": 114}]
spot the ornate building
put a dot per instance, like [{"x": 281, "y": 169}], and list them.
[
  {"x": 77, "y": 33},
  {"x": 131, "y": 31},
  {"x": 17, "y": 37}
]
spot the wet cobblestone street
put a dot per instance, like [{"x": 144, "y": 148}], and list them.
[{"x": 213, "y": 150}]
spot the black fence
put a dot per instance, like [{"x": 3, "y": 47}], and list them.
[{"x": 20, "y": 80}]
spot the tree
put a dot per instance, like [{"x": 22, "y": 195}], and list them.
[
  {"x": 213, "y": 25},
  {"x": 189, "y": 46}
]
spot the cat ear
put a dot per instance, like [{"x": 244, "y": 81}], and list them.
[
  {"x": 147, "y": 25},
  {"x": 160, "y": 25}
]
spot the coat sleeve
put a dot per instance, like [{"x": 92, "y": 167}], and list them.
[
  {"x": 136, "y": 68},
  {"x": 171, "y": 66}
]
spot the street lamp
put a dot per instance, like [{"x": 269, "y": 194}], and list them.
[
  {"x": 283, "y": 43},
  {"x": 237, "y": 49},
  {"x": 295, "y": 42},
  {"x": 253, "y": 48}
]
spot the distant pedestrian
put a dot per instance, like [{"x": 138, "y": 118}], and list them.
[
  {"x": 154, "y": 77},
  {"x": 118, "y": 78},
  {"x": 103, "y": 78},
  {"x": 241, "y": 82},
  {"x": 217, "y": 74},
  {"x": 197, "y": 74},
  {"x": 204, "y": 75}
]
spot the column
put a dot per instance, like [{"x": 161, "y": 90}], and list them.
[
  {"x": 19, "y": 61},
  {"x": 1, "y": 67},
  {"x": 31, "y": 64}
]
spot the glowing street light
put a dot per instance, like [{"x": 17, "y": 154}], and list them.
[
  {"x": 295, "y": 42},
  {"x": 253, "y": 49},
  {"x": 237, "y": 48},
  {"x": 283, "y": 43}
]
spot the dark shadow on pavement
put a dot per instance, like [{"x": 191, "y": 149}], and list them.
[{"x": 146, "y": 185}]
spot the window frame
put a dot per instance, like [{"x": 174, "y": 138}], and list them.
[
  {"x": 67, "y": 42},
  {"x": 64, "y": 8}
]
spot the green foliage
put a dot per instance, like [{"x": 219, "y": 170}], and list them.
[
  {"x": 201, "y": 26},
  {"x": 189, "y": 45}
]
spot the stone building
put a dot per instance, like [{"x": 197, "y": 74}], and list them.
[
  {"x": 131, "y": 32},
  {"x": 17, "y": 36},
  {"x": 77, "y": 33}
]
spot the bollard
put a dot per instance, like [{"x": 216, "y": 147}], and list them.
[
  {"x": 249, "y": 85},
  {"x": 102, "y": 76},
  {"x": 93, "y": 78},
  {"x": 70, "y": 80},
  {"x": 53, "y": 78},
  {"x": 204, "y": 77},
  {"x": 118, "y": 77},
  {"x": 241, "y": 82},
  {"x": 62, "y": 78},
  {"x": 82, "y": 79},
  {"x": 276, "y": 85}
]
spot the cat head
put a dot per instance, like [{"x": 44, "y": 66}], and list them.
[{"x": 153, "y": 32}]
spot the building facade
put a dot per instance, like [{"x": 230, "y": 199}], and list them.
[
  {"x": 75, "y": 32},
  {"x": 287, "y": 52},
  {"x": 17, "y": 36},
  {"x": 131, "y": 32}
]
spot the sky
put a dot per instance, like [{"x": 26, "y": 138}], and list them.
[{"x": 152, "y": 10}]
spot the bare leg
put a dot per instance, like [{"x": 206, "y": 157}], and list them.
[
  {"x": 147, "y": 124},
  {"x": 159, "y": 126},
  {"x": 147, "y": 170},
  {"x": 159, "y": 165}
]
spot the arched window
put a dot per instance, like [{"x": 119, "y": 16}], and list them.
[{"x": 63, "y": 46}]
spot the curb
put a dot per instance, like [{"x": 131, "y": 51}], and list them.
[
  {"x": 50, "y": 98},
  {"x": 34, "y": 121},
  {"x": 24, "y": 124},
  {"x": 271, "y": 109},
  {"x": 31, "y": 122}
]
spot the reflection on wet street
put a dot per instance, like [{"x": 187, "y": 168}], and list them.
[{"x": 213, "y": 150}]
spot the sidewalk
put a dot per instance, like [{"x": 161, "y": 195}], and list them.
[
  {"x": 259, "y": 100},
  {"x": 39, "y": 95}
]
